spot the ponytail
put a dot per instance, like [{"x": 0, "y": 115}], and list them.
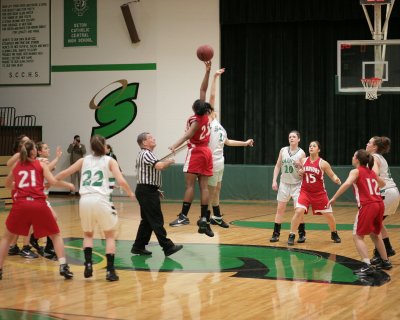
[
  {"x": 371, "y": 161},
  {"x": 23, "y": 154},
  {"x": 98, "y": 145},
  {"x": 26, "y": 151}
]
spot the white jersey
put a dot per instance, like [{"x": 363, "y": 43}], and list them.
[
  {"x": 217, "y": 141},
  {"x": 289, "y": 173},
  {"x": 96, "y": 176},
  {"x": 44, "y": 160},
  {"x": 384, "y": 172}
]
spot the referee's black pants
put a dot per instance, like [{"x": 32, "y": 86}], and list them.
[{"x": 152, "y": 217}]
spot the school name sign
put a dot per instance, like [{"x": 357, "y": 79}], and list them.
[{"x": 80, "y": 23}]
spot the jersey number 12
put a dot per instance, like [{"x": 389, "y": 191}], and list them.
[{"x": 373, "y": 187}]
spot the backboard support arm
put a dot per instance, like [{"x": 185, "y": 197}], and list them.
[{"x": 379, "y": 32}]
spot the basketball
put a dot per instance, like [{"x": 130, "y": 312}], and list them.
[{"x": 205, "y": 53}]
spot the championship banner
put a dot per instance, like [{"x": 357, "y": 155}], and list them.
[
  {"x": 25, "y": 42},
  {"x": 80, "y": 23}
]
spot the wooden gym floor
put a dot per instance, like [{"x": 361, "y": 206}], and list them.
[{"x": 238, "y": 274}]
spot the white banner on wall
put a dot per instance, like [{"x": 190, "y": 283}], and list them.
[{"x": 25, "y": 42}]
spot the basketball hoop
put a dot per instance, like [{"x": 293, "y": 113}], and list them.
[{"x": 371, "y": 86}]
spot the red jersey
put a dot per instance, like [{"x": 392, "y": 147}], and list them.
[
  {"x": 313, "y": 177},
  {"x": 202, "y": 135},
  {"x": 28, "y": 178},
  {"x": 366, "y": 188}
]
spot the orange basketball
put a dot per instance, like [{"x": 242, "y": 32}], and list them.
[{"x": 205, "y": 52}]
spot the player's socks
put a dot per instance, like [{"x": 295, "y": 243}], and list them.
[
  {"x": 111, "y": 275},
  {"x": 88, "y": 272},
  {"x": 185, "y": 208},
  {"x": 276, "y": 233},
  {"x": 216, "y": 211}
]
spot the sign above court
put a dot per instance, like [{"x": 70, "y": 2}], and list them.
[{"x": 365, "y": 59}]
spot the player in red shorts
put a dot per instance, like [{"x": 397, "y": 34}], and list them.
[
  {"x": 313, "y": 193},
  {"x": 29, "y": 207},
  {"x": 377, "y": 146},
  {"x": 198, "y": 163},
  {"x": 369, "y": 218}
]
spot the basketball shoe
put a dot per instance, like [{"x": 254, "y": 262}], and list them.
[{"x": 180, "y": 221}]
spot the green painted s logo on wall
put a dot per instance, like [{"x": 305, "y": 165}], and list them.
[{"x": 116, "y": 111}]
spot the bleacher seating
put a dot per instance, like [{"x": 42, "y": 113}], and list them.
[
  {"x": 5, "y": 194},
  {"x": 12, "y": 126}
]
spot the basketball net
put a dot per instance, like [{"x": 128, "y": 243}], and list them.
[{"x": 371, "y": 86}]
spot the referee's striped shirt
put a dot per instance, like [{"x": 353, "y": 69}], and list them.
[{"x": 145, "y": 171}]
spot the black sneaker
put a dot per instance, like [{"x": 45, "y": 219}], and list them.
[
  {"x": 34, "y": 243},
  {"x": 335, "y": 237},
  {"x": 384, "y": 264},
  {"x": 40, "y": 251},
  {"x": 180, "y": 221},
  {"x": 290, "y": 240},
  {"x": 365, "y": 270},
  {"x": 218, "y": 221},
  {"x": 14, "y": 250},
  {"x": 376, "y": 258},
  {"x": 275, "y": 237},
  {"x": 50, "y": 254},
  {"x": 390, "y": 252},
  {"x": 111, "y": 275},
  {"x": 204, "y": 227},
  {"x": 202, "y": 224},
  {"x": 88, "y": 273},
  {"x": 302, "y": 237},
  {"x": 209, "y": 231},
  {"x": 27, "y": 253},
  {"x": 173, "y": 249},
  {"x": 140, "y": 252},
  {"x": 65, "y": 272}
]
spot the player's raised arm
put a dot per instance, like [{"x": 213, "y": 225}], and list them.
[
  {"x": 77, "y": 166},
  {"x": 53, "y": 163},
  {"x": 204, "y": 83},
  {"x": 214, "y": 86}
]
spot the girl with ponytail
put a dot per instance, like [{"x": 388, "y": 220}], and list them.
[
  {"x": 369, "y": 218},
  {"x": 29, "y": 207},
  {"x": 378, "y": 146}
]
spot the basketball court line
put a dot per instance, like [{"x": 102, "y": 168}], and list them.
[
  {"x": 8, "y": 313},
  {"x": 248, "y": 261},
  {"x": 286, "y": 225}
]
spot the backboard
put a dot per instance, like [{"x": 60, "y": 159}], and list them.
[{"x": 359, "y": 59}]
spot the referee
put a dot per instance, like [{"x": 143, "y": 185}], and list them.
[{"x": 147, "y": 192}]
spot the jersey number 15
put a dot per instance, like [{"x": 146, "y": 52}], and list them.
[{"x": 310, "y": 178}]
